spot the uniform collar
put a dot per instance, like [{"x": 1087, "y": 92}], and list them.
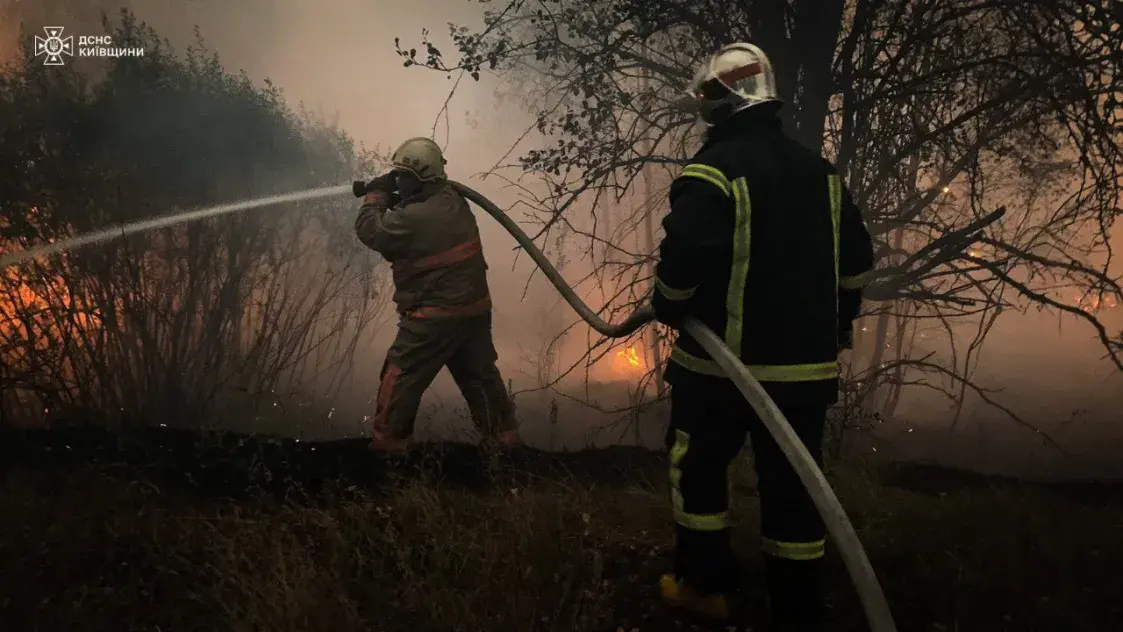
[{"x": 755, "y": 120}]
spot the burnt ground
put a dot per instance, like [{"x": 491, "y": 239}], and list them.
[{"x": 954, "y": 550}]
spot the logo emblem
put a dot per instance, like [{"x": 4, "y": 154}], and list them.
[{"x": 54, "y": 46}]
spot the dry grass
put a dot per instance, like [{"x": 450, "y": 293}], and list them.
[{"x": 101, "y": 547}]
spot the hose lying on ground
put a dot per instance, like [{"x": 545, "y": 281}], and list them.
[{"x": 850, "y": 547}]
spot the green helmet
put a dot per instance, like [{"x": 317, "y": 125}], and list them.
[{"x": 422, "y": 157}]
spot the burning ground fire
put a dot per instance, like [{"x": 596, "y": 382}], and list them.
[
  {"x": 628, "y": 364},
  {"x": 631, "y": 357},
  {"x": 623, "y": 364}
]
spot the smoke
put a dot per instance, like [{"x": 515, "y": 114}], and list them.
[{"x": 337, "y": 58}]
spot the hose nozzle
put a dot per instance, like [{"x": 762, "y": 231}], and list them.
[{"x": 359, "y": 188}]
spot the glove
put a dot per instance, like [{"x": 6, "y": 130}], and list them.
[
  {"x": 380, "y": 192},
  {"x": 385, "y": 183}
]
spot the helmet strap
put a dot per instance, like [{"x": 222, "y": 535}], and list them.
[{"x": 717, "y": 112}]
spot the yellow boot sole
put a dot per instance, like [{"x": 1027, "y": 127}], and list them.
[{"x": 680, "y": 595}]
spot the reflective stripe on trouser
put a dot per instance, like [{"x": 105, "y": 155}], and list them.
[
  {"x": 418, "y": 353},
  {"x": 700, "y": 501},
  {"x": 715, "y": 521},
  {"x": 709, "y": 422},
  {"x": 794, "y": 550},
  {"x": 388, "y": 382}
]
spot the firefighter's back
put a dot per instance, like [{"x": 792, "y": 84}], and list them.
[
  {"x": 444, "y": 273},
  {"x": 772, "y": 295},
  {"x": 791, "y": 288}
]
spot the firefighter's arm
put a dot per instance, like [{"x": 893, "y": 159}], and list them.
[
  {"x": 856, "y": 261},
  {"x": 695, "y": 228},
  {"x": 380, "y": 229}
]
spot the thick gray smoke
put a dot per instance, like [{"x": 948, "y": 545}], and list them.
[{"x": 337, "y": 57}]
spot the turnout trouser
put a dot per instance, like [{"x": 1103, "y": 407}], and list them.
[
  {"x": 420, "y": 350},
  {"x": 709, "y": 422}
]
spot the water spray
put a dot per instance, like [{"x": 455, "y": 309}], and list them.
[
  {"x": 109, "y": 234},
  {"x": 838, "y": 524}
]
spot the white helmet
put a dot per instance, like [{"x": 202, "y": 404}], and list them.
[
  {"x": 735, "y": 78},
  {"x": 422, "y": 157}
]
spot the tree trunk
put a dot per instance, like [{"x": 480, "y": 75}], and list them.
[
  {"x": 649, "y": 246},
  {"x": 802, "y": 57}
]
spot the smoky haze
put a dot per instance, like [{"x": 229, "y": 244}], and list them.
[{"x": 337, "y": 57}]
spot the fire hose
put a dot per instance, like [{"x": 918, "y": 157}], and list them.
[{"x": 838, "y": 523}]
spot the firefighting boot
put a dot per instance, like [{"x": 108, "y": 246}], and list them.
[{"x": 679, "y": 594}]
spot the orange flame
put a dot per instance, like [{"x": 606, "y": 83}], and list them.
[{"x": 631, "y": 356}]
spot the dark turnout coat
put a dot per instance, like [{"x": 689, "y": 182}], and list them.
[
  {"x": 433, "y": 245},
  {"x": 440, "y": 287},
  {"x": 765, "y": 246}
]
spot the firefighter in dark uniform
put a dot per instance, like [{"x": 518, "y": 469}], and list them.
[
  {"x": 763, "y": 245},
  {"x": 415, "y": 219}
]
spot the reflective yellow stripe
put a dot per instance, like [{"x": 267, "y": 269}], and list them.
[
  {"x": 765, "y": 373},
  {"x": 678, "y": 450},
  {"x": 834, "y": 186},
  {"x": 794, "y": 550},
  {"x": 812, "y": 372},
  {"x": 694, "y": 522},
  {"x": 834, "y": 183},
  {"x": 709, "y": 174},
  {"x": 738, "y": 278},
  {"x": 739, "y": 275},
  {"x": 699, "y": 522},
  {"x": 673, "y": 294},
  {"x": 696, "y": 364},
  {"x": 845, "y": 282}
]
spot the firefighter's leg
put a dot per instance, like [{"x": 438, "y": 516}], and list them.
[
  {"x": 413, "y": 361},
  {"x": 473, "y": 368},
  {"x": 704, "y": 437},
  {"x": 793, "y": 535}
]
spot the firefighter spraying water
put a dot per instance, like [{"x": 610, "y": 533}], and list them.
[{"x": 426, "y": 230}]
